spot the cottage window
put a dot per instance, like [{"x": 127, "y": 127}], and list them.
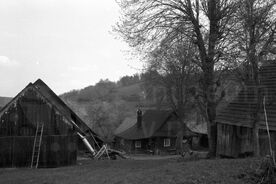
[
  {"x": 138, "y": 144},
  {"x": 167, "y": 142}
]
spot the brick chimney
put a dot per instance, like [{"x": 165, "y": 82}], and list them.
[{"x": 139, "y": 117}]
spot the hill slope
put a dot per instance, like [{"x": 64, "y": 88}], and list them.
[
  {"x": 105, "y": 105},
  {"x": 4, "y": 101}
]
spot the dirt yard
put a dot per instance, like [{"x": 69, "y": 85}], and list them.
[{"x": 168, "y": 171}]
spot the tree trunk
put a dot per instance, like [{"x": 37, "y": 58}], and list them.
[
  {"x": 182, "y": 131},
  {"x": 255, "y": 113},
  {"x": 255, "y": 127},
  {"x": 211, "y": 108},
  {"x": 212, "y": 131},
  {"x": 207, "y": 58}
]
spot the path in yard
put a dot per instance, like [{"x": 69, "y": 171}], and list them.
[
  {"x": 196, "y": 154},
  {"x": 142, "y": 157},
  {"x": 153, "y": 157}
]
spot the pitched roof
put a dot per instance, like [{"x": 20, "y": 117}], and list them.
[
  {"x": 45, "y": 92},
  {"x": 59, "y": 104},
  {"x": 155, "y": 123},
  {"x": 197, "y": 127},
  {"x": 126, "y": 124},
  {"x": 239, "y": 112}
]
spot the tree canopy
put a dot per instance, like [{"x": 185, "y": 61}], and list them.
[{"x": 220, "y": 32}]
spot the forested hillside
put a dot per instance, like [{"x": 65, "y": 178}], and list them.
[{"x": 106, "y": 104}]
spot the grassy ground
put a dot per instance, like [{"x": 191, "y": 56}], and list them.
[{"x": 171, "y": 171}]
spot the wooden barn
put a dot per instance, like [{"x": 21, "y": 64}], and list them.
[
  {"x": 153, "y": 132},
  {"x": 37, "y": 105},
  {"x": 234, "y": 122}
]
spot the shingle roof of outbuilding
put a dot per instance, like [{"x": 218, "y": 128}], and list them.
[{"x": 239, "y": 112}]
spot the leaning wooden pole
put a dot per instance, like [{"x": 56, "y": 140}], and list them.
[
  {"x": 87, "y": 144},
  {"x": 268, "y": 133}
]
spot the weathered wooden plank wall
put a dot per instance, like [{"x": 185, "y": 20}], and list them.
[
  {"x": 228, "y": 141},
  {"x": 29, "y": 111},
  {"x": 245, "y": 136},
  {"x": 264, "y": 142},
  {"x": 158, "y": 147},
  {"x": 56, "y": 151},
  {"x": 234, "y": 141}
]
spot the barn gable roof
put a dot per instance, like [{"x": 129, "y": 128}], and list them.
[
  {"x": 239, "y": 112},
  {"x": 46, "y": 93},
  {"x": 60, "y": 105}
]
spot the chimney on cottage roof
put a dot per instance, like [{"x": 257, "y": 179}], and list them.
[{"x": 139, "y": 117}]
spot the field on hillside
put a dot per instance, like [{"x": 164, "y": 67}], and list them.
[{"x": 135, "y": 172}]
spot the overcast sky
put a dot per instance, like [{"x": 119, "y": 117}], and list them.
[{"x": 66, "y": 43}]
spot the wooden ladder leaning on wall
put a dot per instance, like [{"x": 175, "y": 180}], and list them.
[{"x": 37, "y": 145}]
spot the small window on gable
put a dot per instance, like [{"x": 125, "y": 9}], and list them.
[
  {"x": 138, "y": 144},
  {"x": 167, "y": 142}
]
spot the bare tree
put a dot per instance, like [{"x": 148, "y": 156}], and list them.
[
  {"x": 207, "y": 23},
  {"x": 255, "y": 36},
  {"x": 174, "y": 61}
]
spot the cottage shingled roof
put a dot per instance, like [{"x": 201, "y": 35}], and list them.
[
  {"x": 126, "y": 124},
  {"x": 239, "y": 112},
  {"x": 152, "y": 120},
  {"x": 155, "y": 123}
]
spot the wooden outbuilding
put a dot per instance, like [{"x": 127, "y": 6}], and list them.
[
  {"x": 38, "y": 104},
  {"x": 234, "y": 123}
]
